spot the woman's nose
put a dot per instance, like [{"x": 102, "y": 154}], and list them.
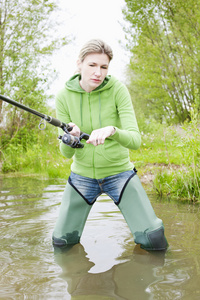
[{"x": 98, "y": 72}]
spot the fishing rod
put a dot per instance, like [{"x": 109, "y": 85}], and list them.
[{"x": 67, "y": 138}]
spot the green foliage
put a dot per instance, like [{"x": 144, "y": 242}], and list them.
[
  {"x": 28, "y": 36},
  {"x": 182, "y": 184},
  {"x": 164, "y": 68},
  {"x": 174, "y": 153},
  {"x": 37, "y": 155},
  {"x": 171, "y": 154},
  {"x": 159, "y": 144}
]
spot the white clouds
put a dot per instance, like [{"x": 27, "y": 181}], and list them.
[{"x": 86, "y": 19}]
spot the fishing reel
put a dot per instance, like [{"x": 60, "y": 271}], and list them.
[
  {"x": 67, "y": 138},
  {"x": 73, "y": 141}
]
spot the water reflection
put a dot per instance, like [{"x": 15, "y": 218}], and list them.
[
  {"x": 122, "y": 281},
  {"x": 106, "y": 263}
]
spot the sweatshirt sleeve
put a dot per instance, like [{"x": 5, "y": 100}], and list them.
[
  {"x": 128, "y": 134},
  {"x": 62, "y": 114}
]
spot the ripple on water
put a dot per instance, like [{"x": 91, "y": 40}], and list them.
[{"x": 32, "y": 269}]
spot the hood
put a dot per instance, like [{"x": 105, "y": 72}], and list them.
[{"x": 73, "y": 84}]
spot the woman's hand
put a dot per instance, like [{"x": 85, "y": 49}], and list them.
[
  {"x": 75, "y": 131},
  {"x": 98, "y": 136}
]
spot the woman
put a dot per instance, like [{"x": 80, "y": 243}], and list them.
[{"x": 100, "y": 106}]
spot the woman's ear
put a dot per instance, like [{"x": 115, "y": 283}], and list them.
[{"x": 78, "y": 63}]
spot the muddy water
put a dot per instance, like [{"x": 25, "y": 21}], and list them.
[{"x": 106, "y": 265}]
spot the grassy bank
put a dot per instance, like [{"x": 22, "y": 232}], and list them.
[
  {"x": 168, "y": 159},
  {"x": 42, "y": 157}
]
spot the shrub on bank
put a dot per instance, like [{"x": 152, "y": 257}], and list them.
[
  {"x": 174, "y": 155},
  {"x": 41, "y": 157}
]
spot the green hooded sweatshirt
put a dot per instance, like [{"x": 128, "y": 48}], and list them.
[{"x": 108, "y": 105}]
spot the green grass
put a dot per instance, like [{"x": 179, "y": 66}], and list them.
[
  {"x": 43, "y": 157},
  {"x": 170, "y": 153}
]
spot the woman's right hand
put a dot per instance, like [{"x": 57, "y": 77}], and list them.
[
  {"x": 75, "y": 129},
  {"x": 98, "y": 136}
]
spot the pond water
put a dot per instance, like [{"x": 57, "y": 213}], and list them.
[{"x": 106, "y": 264}]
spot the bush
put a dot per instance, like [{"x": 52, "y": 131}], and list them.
[{"x": 184, "y": 182}]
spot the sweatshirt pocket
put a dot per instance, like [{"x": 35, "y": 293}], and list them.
[
  {"x": 113, "y": 152},
  {"x": 84, "y": 155}
]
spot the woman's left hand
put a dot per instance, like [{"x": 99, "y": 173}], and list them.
[
  {"x": 98, "y": 136},
  {"x": 75, "y": 129}
]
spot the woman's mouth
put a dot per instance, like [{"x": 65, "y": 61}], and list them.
[{"x": 96, "y": 80}]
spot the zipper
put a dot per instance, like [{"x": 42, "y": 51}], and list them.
[{"x": 92, "y": 130}]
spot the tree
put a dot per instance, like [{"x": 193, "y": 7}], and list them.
[
  {"x": 27, "y": 39},
  {"x": 164, "y": 68}
]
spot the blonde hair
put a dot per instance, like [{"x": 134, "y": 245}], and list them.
[{"x": 95, "y": 46}]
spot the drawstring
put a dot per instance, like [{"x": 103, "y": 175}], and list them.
[
  {"x": 81, "y": 109},
  {"x": 100, "y": 109}
]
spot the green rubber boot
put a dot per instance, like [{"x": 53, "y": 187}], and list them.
[
  {"x": 72, "y": 217},
  {"x": 147, "y": 229}
]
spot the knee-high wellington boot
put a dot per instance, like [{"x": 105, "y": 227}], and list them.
[
  {"x": 72, "y": 217},
  {"x": 147, "y": 229}
]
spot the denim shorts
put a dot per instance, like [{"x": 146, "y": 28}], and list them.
[{"x": 91, "y": 188}]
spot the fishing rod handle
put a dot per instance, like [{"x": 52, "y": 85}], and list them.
[{"x": 65, "y": 127}]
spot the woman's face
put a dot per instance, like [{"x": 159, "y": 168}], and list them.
[{"x": 93, "y": 70}]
